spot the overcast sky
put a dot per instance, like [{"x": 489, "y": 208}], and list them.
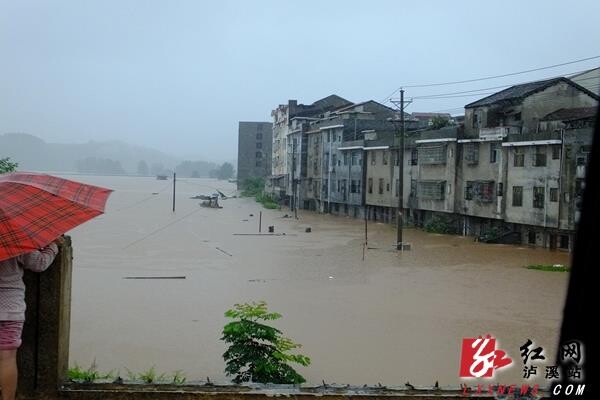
[{"x": 179, "y": 75}]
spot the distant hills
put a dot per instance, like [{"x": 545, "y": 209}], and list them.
[{"x": 33, "y": 153}]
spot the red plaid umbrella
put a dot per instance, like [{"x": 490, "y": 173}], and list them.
[{"x": 35, "y": 209}]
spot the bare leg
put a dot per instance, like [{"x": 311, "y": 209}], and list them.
[{"x": 8, "y": 373}]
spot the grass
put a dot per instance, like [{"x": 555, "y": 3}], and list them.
[
  {"x": 89, "y": 375},
  {"x": 178, "y": 377},
  {"x": 267, "y": 201},
  {"x": 548, "y": 267}
]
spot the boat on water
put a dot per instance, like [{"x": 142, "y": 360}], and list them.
[{"x": 161, "y": 177}]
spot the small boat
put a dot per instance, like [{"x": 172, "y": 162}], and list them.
[{"x": 161, "y": 177}]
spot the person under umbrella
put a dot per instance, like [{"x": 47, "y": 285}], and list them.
[
  {"x": 12, "y": 309},
  {"x": 35, "y": 211}
]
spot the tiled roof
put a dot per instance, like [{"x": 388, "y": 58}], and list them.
[{"x": 518, "y": 92}]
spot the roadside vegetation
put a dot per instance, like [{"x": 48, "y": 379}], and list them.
[
  {"x": 438, "y": 224},
  {"x": 548, "y": 267},
  {"x": 254, "y": 187}
]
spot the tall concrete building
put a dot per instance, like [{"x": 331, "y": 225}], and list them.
[{"x": 254, "y": 150}]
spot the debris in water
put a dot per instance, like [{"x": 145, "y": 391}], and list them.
[
  {"x": 154, "y": 277},
  {"x": 331, "y": 277},
  {"x": 308, "y": 230},
  {"x": 224, "y": 252}
]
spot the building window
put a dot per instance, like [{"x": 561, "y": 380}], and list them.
[
  {"x": 517, "y": 196},
  {"x": 258, "y": 163},
  {"x": 414, "y": 157},
  {"x": 259, "y": 136},
  {"x": 397, "y": 186},
  {"x": 471, "y": 153},
  {"x": 432, "y": 154},
  {"x": 553, "y": 195},
  {"x": 354, "y": 186},
  {"x": 431, "y": 190},
  {"x": 469, "y": 190},
  {"x": 500, "y": 190},
  {"x": 482, "y": 191},
  {"x": 259, "y": 145},
  {"x": 385, "y": 157},
  {"x": 519, "y": 160},
  {"x": 475, "y": 120},
  {"x": 493, "y": 152},
  {"x": 539, "y": 157},
  {"x": 555, "y": 152},
  {"x": 387, "y": 187},
  {"x": 370, "y": 184},
  {"x": 518, "y": 116},
  {"x": 538, "y": 197},
  {"x": 373, "y": 158},
  {"x": 259, "y": 155},
  {"x": 334, "y": 159},
  {"x": 345, "y": 158},
  {"x": 355, "y": 158},
  {"x": 531, "y": 236},
  {"x": 380, "y": 185}
]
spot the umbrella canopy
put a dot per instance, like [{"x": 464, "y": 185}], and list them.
[{"x": 35, "y": 209}]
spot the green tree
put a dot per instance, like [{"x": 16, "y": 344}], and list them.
[
  {"x": 7, "y": 166},
  {"x": 438, "y": 122},
  {"x": 258, "y": 352}
]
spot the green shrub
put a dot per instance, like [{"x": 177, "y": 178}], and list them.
[
  {"x": 252, "y": 186},
  {"x": 439, "y": 224},
  {"x": 548, "y": 267},
  {"x": 258, "y": 352}
]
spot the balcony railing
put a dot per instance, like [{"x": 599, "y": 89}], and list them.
[{"x": 498, "y": 132}]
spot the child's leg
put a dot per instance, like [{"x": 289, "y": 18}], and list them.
[{"x": 8, "y": 373}]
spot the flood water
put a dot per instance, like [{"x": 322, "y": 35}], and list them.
[{"x": 392, "y": 318}]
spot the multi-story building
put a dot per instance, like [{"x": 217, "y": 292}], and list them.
[
  {"x": 288, "y": 120},
  {"x": 254, "y": 150},
  {"x": 512, "y": 172}
]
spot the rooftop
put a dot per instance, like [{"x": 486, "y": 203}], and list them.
[{"x": 519, "y": 92}]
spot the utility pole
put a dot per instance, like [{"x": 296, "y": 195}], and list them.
[
  {"x": 174, "y": 179},
  {"x": 400, "y": 156},
  {"x": 399, "y": 217}
]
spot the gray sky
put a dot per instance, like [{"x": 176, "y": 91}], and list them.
[{"x": 179, "y": 75}]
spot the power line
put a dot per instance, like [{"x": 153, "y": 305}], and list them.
[
  {"x": 491, "y": 77},
  {"x": 507, "y": 86}
]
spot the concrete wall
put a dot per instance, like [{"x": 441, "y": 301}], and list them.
[
  {"x": 254, "y": 138},
  {"x": 483, "y": 170},
  {"x": 555, "y": 97},
  {"x": 528, "y": 177},
  {"x": 439, "y": 172},
  {"x": 378, "y": 170}
]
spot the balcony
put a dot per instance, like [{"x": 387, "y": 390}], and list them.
[
  {"x": 495, "y": 133},
  {"x": 533, "y": 136}
]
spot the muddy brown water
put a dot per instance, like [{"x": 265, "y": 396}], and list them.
[{"x": 392, "y": 318}]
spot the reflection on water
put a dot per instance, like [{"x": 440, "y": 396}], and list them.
[{"x": 391, "y": 318}]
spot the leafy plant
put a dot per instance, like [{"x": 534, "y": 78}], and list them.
[
  {"x": 89, "y": 375},
  {"x": 7, "y": 166},
  {"x": 252, "y": 186},
  {"x": 258, "y": 352},
  {"x": 151, "y": 376},
  {"x": 267, "y": 201},
  {"x": 179, "y": 377},
  {"x": 438, "y": 224}
]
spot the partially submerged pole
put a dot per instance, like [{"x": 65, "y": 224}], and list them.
[
  {"x": 259, "y": 221},
  {"x": 174, "y": 179}
]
